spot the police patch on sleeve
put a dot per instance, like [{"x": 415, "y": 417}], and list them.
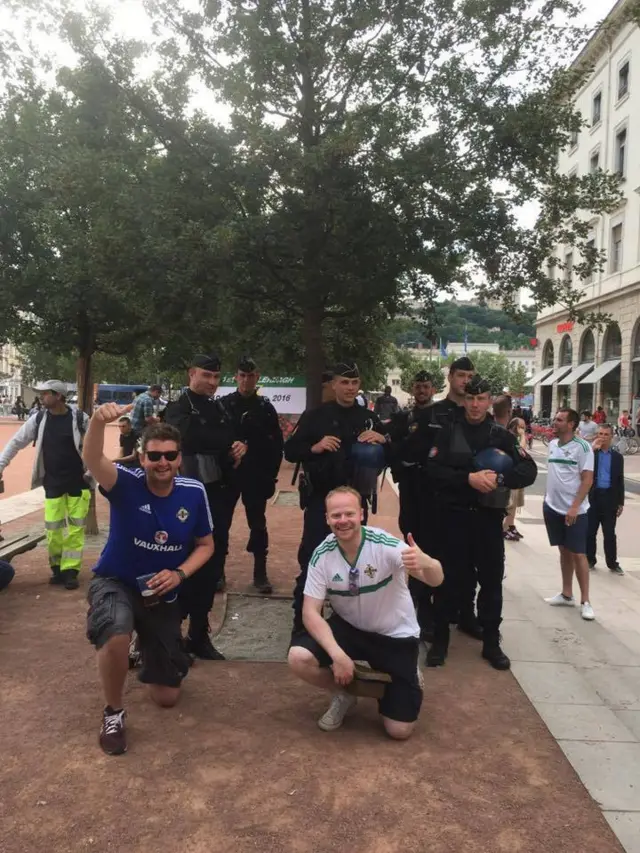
[{"x": 433, "y": 452}]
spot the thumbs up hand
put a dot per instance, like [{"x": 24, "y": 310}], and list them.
[{"x": 421, "y": 565}]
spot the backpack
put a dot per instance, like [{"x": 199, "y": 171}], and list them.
[{"x": 79, "y": 424}]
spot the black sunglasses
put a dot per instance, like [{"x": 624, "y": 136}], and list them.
[{"x": 157, "y": 455}]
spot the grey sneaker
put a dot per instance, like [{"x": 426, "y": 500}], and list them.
[
  {"x": 617, "y": 569},
  {"x": 334, "y": 716}
]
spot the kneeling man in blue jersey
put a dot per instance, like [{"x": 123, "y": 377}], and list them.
[
  {"x": 159, "y": 535},
  {"x": 362, "y": 570}
]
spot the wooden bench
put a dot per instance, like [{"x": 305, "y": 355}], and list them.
[{"x": 20, "y": 544}]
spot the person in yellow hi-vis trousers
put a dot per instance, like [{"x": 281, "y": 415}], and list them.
[
  {"x": 58, "y": 433},
  {"x": 64, "y": 520}
]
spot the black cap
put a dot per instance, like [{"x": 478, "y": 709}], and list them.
[
  {"x": 476, "y": 385},
  {"x": 423, "y": 376},
  {"x": 327, "y": 376},
  {"x": 246, "y": 364},
  {"x": 463, "y": 363},
  {"x": 348, "y": 369},
  {"x": 206, "y": 362}
]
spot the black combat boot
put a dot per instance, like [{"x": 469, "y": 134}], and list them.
[
  {"x": 260, "y": 579},
  {"x": 202, "y": 647},
  {"x": 56, "y": 578},
  {"x": 437, "y": 654},
  {"x": 492, "y": 652}
]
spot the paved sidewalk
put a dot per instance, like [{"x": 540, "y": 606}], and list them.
[{"x": 583, "y": 678}]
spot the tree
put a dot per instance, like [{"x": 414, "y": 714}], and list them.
[
  {"x": 411, "y": 364},
  {"x": 385, "y": 149}
]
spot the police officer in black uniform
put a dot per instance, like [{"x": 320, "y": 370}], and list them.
[
  {"x": 322, "y": 443},
  {"x": 473, "y": 499},
  {"x": 210, "y": 452},
  {"x": 256, "y": 423},
  {"x": 441, "y": 414},
  {"x": 410, "y": 435}
]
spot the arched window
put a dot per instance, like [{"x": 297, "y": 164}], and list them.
[
  {"x": 612, "y": 344},
  {"x": 566, "y": 351},
  {"x": 635, "y": 347},
  {"x": 588, "y": 348},
  {"x": 547, "y": 354}
]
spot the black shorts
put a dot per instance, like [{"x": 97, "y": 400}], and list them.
[
  {"x": 573, "y": 537},
  {"x": 115, "y": 608},
  {"x": 398, "y": 657}
]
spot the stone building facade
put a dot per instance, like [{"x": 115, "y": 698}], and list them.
[{"x": 577, "y": 366}]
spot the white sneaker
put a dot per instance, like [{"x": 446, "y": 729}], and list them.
[
  {"x": 560, "y": 601},
  {"x": 334, "y": 716},
  {"x": 586, "y": 611}
]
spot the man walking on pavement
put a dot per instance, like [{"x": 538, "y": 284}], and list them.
[
  {"x": 255, "y": 422},
  {"x": 210, "y": 452},
  {"x": 566, "y": 503},
  {"x": 588, "y": 428},
  {"x": 58, "y": 433},
  {"x": 606, "y": 499},
  {"x": 144, "y": 409}
]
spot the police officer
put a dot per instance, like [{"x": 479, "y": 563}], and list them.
[
  {"x": 210, "y": 452},
  {"x": 473, "y": 499},
  {"x": 256, "y": 423},
  {"x": 410, "y": 435},
  {"x": 322, "y": 442}
]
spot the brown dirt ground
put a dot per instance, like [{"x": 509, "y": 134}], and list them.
[{"x": 240, "y": 765}]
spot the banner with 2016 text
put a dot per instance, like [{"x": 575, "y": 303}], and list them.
[{"x": 288, "y": 394}]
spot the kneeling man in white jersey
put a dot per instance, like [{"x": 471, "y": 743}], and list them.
[{"x": 362, "y": 570}]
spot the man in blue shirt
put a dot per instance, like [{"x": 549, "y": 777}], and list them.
[
  {"x": 160, "y": 534},
  {"x": 606, "y": 499},
  {"x": 144, "y": 409}
]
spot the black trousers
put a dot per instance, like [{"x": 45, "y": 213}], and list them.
[
  {"x": 470, "y": 539},
  {"x": 255, "y": 509},
  {"x": 314, "y": 530},
  {"x": 603, "y": 510},
  {"x": 198, "y": 592}
]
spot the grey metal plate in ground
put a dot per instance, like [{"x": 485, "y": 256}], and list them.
[
  {"x": 287, "y": 499},
  {"x": 255, "y": 629}
]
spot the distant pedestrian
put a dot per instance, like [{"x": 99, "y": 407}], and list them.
[
  {"x": 58, "y": 434},
  {"x": 606, "y": 499},
  {"x": 569, "y": 480},
  {"x": 516, "y": 427},
  {"x": 599, "y": 416},
  {"x": 386, "y": 406},
  {"x": 145, "y": 406},
  {"x": 20, "y": 408},
  {"x": 588, "y": 429},
  {"x": 128, "y": 444},
  {"x": 624, "y": 421}
]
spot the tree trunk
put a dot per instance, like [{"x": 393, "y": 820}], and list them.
[
  {"x": 85, "y": 403},
  {"x": 314, "y": 356}
]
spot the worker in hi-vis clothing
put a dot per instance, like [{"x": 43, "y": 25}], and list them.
[{"x": 57, "y": 432}]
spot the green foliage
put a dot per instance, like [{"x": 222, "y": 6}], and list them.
[
  {"x": 375, "y": 152},
  {"x": 482, "y": 324},
  {"x": 496, "y": 368},
  {"x": 410, "y": 364}
]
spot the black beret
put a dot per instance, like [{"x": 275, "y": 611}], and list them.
[
  {"x": 246, "y": 364},
  {"x": 463, "y": 363},
  {"x": 422, "y": 376},
  {"x": 348, "y": 369},
  {"x": 206, "y": 362},
  {"x": 476, "y": 385}
]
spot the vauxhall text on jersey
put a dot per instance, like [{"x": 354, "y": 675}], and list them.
[{"x": 150, "y": 533}]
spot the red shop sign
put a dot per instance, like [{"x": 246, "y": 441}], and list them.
[{"x": 565, "y": 327}]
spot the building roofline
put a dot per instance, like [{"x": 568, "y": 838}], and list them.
[{"x": 607, "y": 29}]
